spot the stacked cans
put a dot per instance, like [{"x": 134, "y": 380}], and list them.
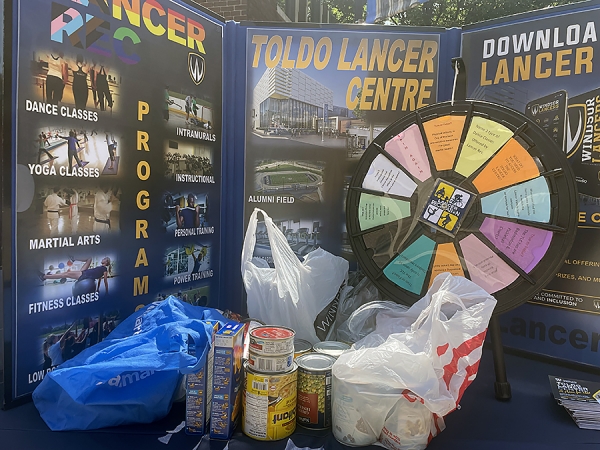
[{"x": 271, "y": 384}]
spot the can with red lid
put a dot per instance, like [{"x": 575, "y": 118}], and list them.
[{"x": 272, "y": 340}]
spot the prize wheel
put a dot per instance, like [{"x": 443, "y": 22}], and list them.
[{"x": 471, "y": 188}]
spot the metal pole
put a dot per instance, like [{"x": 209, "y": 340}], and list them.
[{"x": 501, "y": 386}]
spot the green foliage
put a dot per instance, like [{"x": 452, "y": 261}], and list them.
[{"x": 451, "y": 13}]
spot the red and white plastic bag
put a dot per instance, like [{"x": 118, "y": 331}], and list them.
[{"x": 429, "y": 353}]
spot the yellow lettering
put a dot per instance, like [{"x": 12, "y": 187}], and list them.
[
  {"x": 141, "y": 229},
  {"x": 320, "y": 64},
  {"x": 412, "y": 87},
  {"x": 258, "y": 40},
  {"x": 382, "y": 94},
  {"x": 398, "y": 84},
  {"x": 539, "y": 59},
  {"x": 342, "y": 64},
  {"x": 430, "y": 49},
  {"x": 143, "y": 200},
  {"x": 143, "y": 109},
  {"x": 583, "y": 57},
  {"x": 351, "y": 102},
  {"x": 394, "y": 66},
  {"x": 143, "y": 170},
  {"x": 378, "y": 55},
  {"x": 360, "y": 58},
  {"x": 502, "y": 72},
  {"x": 412, "y": 53},
  {"x": 307, "y": 45},
  {"x": 522, "y": 68},
  {"x": 561, "y": 63},
  {"x": 142, "y": 140},
  {"x": 483, "y": 81},
  {"x": 367, "y": 92},
  {"x": 424, "y": 93},
  {"x": 276, "y": 42},
  {"x": 287, "y": 63},
  {"x": 141, "y": 258},
  {"x": 140, "y": 286}
]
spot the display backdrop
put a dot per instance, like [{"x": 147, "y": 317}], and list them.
[
  {"x": 356, "y": 83},
  {"x": 302, "y": 105},
  {"x": 545, "y": 65},
  {"x": 116, "y": 170}
]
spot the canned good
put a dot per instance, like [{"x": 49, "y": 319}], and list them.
[
  {"x": 301, "y": 347},
  {"x": 270, "y": 341},
  {"x": 331, "y": 348},
  {"x": 314, "y": 390},
  {"x": 269, "y": 401},
  {"x": 271, "y": 364}
]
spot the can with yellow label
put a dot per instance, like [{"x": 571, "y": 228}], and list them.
[{"x": 269, "y": 401}]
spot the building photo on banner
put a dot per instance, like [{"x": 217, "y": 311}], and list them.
[
  {"x": 315, "y": 100},
  {"x": 222, "y": 234}
]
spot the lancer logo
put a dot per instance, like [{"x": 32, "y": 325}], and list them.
[
  {"x": 535, "y": 109},
  {"x": 597, "y": 304},
  {"x": 196, "y": 67},
  {"x": 576, "y": 117}
]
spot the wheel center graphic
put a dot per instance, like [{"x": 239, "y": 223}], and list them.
[{"x": 446, "y": 207}]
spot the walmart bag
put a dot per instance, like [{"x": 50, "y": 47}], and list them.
[
  {"x": 300, "y": 295},
  {"x": 130, "y": 377}
]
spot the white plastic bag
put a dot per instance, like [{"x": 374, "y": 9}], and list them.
[
  {"x": 299, "y": 295},
  {"x": 432, "y": 350}
]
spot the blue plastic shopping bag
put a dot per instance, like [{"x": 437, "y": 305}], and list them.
[{"x": 132, "y": 376}]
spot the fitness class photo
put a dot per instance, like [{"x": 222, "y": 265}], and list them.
[
  {"x": 189, "y": 161},
  {"x": 73, "y": 80},
  {"x": 198, "y": 295},
  {"x": 72, "y": 152},
  {"x": 186, "y": 213},
  {"x": 67, "y": 211},
  {"x": 187, "y": 263},
  {"x": 61, "y": 342},
  {"x": 75, "y": 279}
]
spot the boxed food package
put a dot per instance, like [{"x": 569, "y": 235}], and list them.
[
  {"x": 198, "y": 389},
  {"x": 227, "y": 380}
]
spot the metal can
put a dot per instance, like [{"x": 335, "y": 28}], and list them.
[
  {"x": 301, "y": 347},
  {"x": 269, "y": 401},
  {"x": 331, "y": 348},
  {"x": 314, "y": 390},
  {"x": 271, "y": 364},
  {"x": 270, "y": 341}
]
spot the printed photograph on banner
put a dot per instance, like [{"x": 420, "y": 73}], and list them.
[
  {"x": 75, "y": 279},
  {"x": 77, "y": 214},
  {"x": 86, "y": 151},
  {"x": 197, "y": 295},
  {"x": 303, "y": 236},
  {"x": 60, "y": 340},
  {"x": 186, "y": 213},
  {"x": 289, "y": 181},
  {"x": 74, "y": 84},
  {"x": 189, "y": 161},
  {"x": 190, "y": 113},
  {"x": 186, "y": 263}
]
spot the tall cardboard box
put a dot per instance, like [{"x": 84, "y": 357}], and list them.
[
  {"x": 227, "y": 380},
  {"x": 198, "y": 389}
]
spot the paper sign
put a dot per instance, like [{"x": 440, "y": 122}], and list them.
[
  {"x": 486, "y": 268},
  {"x": 374, "y": 210},
  {"x": 526, "y": 201},
  {"x": 409, "y": 150},
  {"x": 443, "y": 135},
  {"x": 384, "y": 176},
  {"x": 483, "y": 139},
  {"x": 512, "y": 165},
  {"x": 409, "y": 268},
  {"x": 446, "y": 260},
  {"x": 524, "y": 245}
]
